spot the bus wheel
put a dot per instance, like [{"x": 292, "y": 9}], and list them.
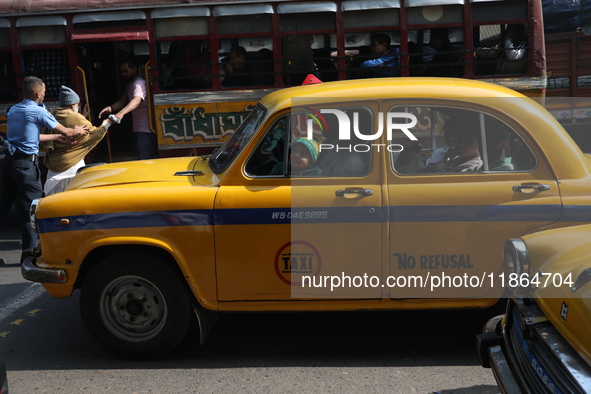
[{"x": 134, "y": 305}]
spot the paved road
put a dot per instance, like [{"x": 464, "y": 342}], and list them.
[{"x": 47, "y": 350}]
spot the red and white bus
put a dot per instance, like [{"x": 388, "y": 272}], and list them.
[{"x": 184, "y": 47}]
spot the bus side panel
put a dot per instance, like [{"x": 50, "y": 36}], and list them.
[{"x": 187, "y": 125}]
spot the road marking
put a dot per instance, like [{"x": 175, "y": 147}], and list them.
[
  {"x": 24, "y": 298},
  {"x": 4, "y": 334},
  {"x": 17, "y": 322},
  {"x": 34, "y": 311}
]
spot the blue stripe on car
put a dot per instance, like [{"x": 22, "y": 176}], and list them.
[{"x": 248, "y": 216}]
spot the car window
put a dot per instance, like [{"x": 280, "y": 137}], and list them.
[
  {"x": 222, "y": 159},
  {"x": 456, "y": 140},
  {"x": 286, "y": 151},
  {"x": 341, "y": 157},
  {"x": 268, "y": 157}
]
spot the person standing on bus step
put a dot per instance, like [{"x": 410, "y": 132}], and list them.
[
  {"x": 134, "y": 100},
  {"x": 20, "y": 179},
  {"x": 63, "y": 160},
  {"x": 387, "y": 61}
]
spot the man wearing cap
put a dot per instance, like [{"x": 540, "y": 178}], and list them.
[
  {"x": 20, "y": 179},
  {"x": 63, "y": 160}
]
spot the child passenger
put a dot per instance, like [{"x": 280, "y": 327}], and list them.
[
  {"x": 304, "y": 154},
  {"x": 303, "y": 157}
]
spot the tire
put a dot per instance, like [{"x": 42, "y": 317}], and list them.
[{"x": 135, "y": 306}]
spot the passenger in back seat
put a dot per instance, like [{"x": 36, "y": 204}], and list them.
[{"x": 465, "y": 156}]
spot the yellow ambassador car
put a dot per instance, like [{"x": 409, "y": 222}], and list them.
[
  {"x": 408, "y": 191},
  {"x": 543, "y": 343}
]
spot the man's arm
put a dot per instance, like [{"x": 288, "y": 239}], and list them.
[
  {"x": 56, "y": 137},
  {"x": 133, "y": 104},
  {"x": 121, "y": 103},
  {"x": 68, "y": 132},
  {"x": 385, "y": 61}
]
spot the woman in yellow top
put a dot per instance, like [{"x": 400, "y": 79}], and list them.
[{"x": 63, "y": 160}]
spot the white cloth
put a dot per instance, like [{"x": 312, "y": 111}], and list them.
[
  {"x": 514, "y": 52},
  {"x": 58, "y": 181},
  {"x": 437, "y": 157}
]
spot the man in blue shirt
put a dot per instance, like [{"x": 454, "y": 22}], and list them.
[
  {"x": 387, "y": 63},
  {"x": 20, "y": 179}
]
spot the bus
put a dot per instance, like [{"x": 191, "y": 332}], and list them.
[
  {"x": 567, "y": 29},
  {"x": 186, "y": 48}
]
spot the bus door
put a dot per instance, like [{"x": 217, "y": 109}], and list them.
[{"x": 99, "y": 52}]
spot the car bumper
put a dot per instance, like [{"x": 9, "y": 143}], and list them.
[
  {"x": 490, "y": 353},
  {"x": 529, "y": 355},
  {"x": 32, "y": 272}
]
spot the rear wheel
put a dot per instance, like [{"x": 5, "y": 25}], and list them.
[{"x": 135, "y": 305}]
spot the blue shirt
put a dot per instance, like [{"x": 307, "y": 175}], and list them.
[
  {"x": 385, "y": 66},
  {"x": 25, "y": 122}
]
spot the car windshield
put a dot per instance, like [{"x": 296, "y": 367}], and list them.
[{"x": 222, "y": 159}]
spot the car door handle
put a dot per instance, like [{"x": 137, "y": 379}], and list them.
[
  {"x": 354, "y": 190},
  {"x": 537, "y": 186}
]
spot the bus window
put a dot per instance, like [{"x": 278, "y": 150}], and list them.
[
  {"x": 183, "y": 55},
  {"x": 298, "y": 17},
  {"x": 489, "y": 11},
  {"x": 8, "y": 91},
  {"x": 246, "y": 60},
  {"x": 436, "y": 52},
  {"x": 430, "y": 14},
  {"x": 297, "y": 22},
  {"x": 184, "y": 64},
  {"x": 322, "y": 48},
  {"x": 51, "y": 65},
  {"x": 362, "y": 20},
  {"x": 298, "y": 59},
  {"x": 359, "y": 15},
  {"x": 500, "y": 48},
  {"x": 381, "y": 58},
  {"x": 48, "y": 63},
  {"x": 245, "y": 66},
  {"x": 435, "y": 38}
]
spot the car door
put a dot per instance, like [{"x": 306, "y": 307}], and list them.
[
  {"x": 284, "y": 236},
  {"x": 447, "y": 225}
]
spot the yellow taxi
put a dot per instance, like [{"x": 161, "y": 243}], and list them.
[
  {"x": 543, "y": 343},
  {"x": 381, "y": 194}
]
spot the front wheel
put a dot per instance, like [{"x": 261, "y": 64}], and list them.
[{"x": 135, "y": 305}]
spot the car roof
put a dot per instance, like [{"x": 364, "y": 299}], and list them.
[{"x": 385, "y": 88}]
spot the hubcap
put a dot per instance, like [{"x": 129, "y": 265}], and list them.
[{"x": 133, "y": 308}]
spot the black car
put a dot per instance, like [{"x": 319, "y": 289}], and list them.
[{"x": 3, "y": 380}]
